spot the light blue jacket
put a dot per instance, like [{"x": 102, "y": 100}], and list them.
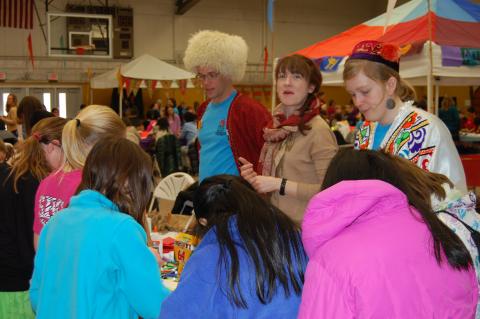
[{"x": 93, "y": 262}]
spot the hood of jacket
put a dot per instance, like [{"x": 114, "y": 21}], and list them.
[{"x": 346, "y": 203}]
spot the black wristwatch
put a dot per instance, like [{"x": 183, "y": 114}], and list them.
[{"x": 282, "y": 186}]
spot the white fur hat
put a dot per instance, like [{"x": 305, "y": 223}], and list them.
[{"x": 223, "y": 52}]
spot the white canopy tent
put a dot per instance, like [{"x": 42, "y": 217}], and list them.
[
  {"x": 145, "y": 67},
  {"x": 107, "y": 80}
]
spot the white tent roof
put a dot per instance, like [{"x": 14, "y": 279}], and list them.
[
  {"x": 105, "y": 80},
  {"x": 414, "y": 69},
  {"x": 147, "y": 67}
]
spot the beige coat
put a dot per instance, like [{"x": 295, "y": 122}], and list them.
[
  {"x": 305, "y": 161},
  {"x": 12, "y": 116}
]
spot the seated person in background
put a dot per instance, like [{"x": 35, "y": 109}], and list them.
[
  {"x": 469, "y": 125},
  {"x": 167, "y": 149},
  {"x": 106, "y": 269},
  {"x": 187, "y": 137},
  {"x": 132, "y": 133},
  {"x": 154, "y": 112},
  {"x": 189, "y": 129},
  {"x": 250, "y": 260},
  {"x": 378, "y": 250}
]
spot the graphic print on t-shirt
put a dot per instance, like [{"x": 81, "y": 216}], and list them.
[
  {"x": 49, "y": 206},
  {"x": 221, "y": 130}
]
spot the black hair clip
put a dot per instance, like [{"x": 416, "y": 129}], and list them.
[{"x": 78, "y": 122}]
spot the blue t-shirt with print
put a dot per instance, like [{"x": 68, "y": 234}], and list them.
[
  {"x": 216, "y": 155},
  {"x": 380, "y": 133}
]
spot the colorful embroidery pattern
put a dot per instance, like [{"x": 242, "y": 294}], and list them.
[
  {"x": 464, "y": 208},
  {"x": 423, "y": 157},
  {"x": 363, "y": 136},
  {"x": 408, "y": 139}
]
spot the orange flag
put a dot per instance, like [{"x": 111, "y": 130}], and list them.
[{"x": 30, "y": 49}]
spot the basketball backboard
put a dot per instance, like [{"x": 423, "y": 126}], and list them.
[{"x": 80, "y": 35}]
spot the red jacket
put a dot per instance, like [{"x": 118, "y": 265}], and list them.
[{"x": 245, "y": 123}]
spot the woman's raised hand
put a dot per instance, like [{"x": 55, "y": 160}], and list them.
[
  {"x": 262, "y": 184},
  {"x": 247, "y": 171}
]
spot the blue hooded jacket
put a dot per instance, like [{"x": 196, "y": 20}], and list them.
[{"x": 201, "y": 292}]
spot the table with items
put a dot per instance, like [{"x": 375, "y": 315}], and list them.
[{"x": 174, "y": 248}]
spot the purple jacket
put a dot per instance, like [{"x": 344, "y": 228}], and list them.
[{"x": 371, "y": 256}]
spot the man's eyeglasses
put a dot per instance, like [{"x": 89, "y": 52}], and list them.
[{"x": 209, "y": 76}]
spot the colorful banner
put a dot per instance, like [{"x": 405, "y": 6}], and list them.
[
  {"x": 128, "y": 83},
  {"x": 166, "y": 84},
  {"x": 471, "y": 56},
  {"x": 328, "y": 63},
  {"x": 148, "y": 84},
  {"x": 182, "y": 84},
  {"x": 454, "y": 56},
  {"x": 136, "y": 85}
]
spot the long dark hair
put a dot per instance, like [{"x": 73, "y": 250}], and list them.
[
  {"x": 269, "y": 237},
  {"x": 122, "y": 171},
  {"x": 300, "y": 64},
  {"x": 26, "y": 109},
  {"x": 418, "y": 185}
]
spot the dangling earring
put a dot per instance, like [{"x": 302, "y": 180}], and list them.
[{"x": 390, "y": 103}]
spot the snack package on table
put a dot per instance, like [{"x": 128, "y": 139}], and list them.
[{"x": 183, "y": 247}]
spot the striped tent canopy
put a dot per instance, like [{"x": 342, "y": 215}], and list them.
[{"x": 454, "y": 23}]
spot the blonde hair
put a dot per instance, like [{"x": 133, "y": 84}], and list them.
[
  {"x": 226, "y": 53},
  {"x": 90, "y": 125},
  {"x": 7, "y": 150},
  {"x": 31, "y": 157},
  {"x": 381, "y": 73}
]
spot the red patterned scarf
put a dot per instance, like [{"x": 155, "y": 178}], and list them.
[{"x": 277, "y": 132}]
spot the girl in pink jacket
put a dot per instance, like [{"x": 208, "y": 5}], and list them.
[{"x": 377, "y": 249}]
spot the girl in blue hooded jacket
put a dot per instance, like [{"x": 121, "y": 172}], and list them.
[
  {"x": 250, "y": 261},
  {"x": 92, "y": 259}
]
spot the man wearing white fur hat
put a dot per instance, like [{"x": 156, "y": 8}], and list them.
[{"x": 230, "y": 124}]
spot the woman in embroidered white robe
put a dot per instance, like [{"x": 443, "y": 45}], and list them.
[{"x": 392, "y": 123}]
